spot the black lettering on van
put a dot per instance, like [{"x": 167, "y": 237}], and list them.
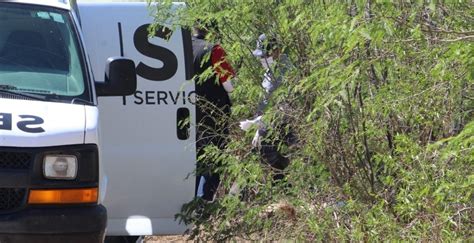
[
  {"x": 162, "y": 96},
  {"x": 192, "y": 97},
  {"x": 139, "y": 99},
  {"x": 169, "y": 59},
  {"x": 5, "y": 121},
  {"x": 149, "y": 97},
  {"x": 26, "y": 125},
  {"x": 174, "y": 99}
]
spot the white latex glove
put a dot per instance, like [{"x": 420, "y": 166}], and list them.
[
  {"x": 228, "y": 86},
  {"x": 257, "y": 140},
  {"x": 247, "y": 124}
]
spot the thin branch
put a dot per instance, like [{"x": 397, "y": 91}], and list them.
[
  {"x": 448, "y": 31},
  {"x": 457, "y": 39}
]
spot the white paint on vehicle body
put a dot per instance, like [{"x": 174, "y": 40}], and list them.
[{"x": 63, "y": 123}]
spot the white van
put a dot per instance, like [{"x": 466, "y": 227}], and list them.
[{"x": 80, "y": 130}]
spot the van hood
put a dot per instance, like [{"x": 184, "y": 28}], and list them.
[{"x": 25, "y": 123}]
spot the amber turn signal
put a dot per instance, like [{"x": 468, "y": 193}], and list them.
[{"x": 63, "y": 196}]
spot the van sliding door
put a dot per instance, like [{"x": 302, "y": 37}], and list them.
[{"x": 148, "y": 156}]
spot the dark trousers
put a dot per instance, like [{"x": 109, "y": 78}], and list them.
[
  {"x": 271, "y": 156},
  {"x": 212, "y": 179},
  {"x": 205, "y": 168}
]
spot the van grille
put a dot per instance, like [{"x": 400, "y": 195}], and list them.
[
  {"x": 11, "y": 198},
  {"x": 15, "y": 160}
]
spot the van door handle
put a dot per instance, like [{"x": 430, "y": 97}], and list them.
[{"x": 183, "y": 123}]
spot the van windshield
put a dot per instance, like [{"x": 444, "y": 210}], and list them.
[{"x": 39, "y": 54}]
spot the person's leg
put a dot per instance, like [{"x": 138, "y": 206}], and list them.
[
  {"x": 271, "y": 156},
  {"x": 199, "y": 168},
  {"x": 210, "y": 186},
  {"x": 196, "y": 186},
  {"x": 200, "y": 188},
  {"x": 206, "y": 180}
]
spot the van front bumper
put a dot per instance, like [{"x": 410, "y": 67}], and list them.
[{"x": 54, "y": 224}]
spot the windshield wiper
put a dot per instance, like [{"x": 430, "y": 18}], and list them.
[
  {"x": 33, "y": 94},
  {"x": 81, "y": 101},
  {"x": 13, "y": 90},
  {"x": 7, "y": 87}
]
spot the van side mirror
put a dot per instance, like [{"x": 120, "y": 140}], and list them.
[{"x": 120, "y": 78}]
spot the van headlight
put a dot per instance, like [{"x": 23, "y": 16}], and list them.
[{"x": 60, "y": 167}]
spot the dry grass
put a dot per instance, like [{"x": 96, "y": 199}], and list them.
[{"x": 167, "y": 238}]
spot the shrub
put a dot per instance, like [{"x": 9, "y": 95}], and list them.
[{"x": 381, "y": 100}]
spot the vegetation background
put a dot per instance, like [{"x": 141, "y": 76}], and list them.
[{"x": 381, "y": 98}]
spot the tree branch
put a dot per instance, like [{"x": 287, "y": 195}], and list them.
[{"x": 457, "y": 39}]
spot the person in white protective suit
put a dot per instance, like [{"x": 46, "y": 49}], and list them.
[{"x": 276, "y": 65}]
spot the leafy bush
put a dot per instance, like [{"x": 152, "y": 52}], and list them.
[{"x": 381, "y": 100}]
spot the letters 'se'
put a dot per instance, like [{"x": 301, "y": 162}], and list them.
[{"x": 29, "y": 123}]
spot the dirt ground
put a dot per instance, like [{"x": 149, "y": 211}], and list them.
[{"x": 166, "y": 238}]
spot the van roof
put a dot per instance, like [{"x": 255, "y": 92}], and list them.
[{"x": 63, "y": 4}]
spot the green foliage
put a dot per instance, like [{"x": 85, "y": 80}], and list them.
[{"x": 382, "y": 102}]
